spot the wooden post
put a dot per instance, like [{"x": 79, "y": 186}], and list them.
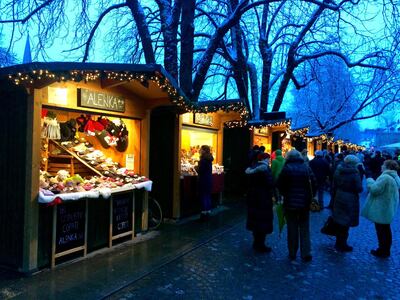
[
  {"x": 110, "y": 232},
  {"x": 133, "y": 214},
  {"x": 53, "y": 240},
  {"x": 32, "y": 163},
  {"x": 86, "y": 227},
  {"x": 145, "y": 211}
]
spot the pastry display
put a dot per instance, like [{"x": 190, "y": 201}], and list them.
[
  {"x": 190, "y": 159},
  {"x": 91, "y": 170}
]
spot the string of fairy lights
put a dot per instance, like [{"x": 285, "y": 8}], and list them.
[
  {"x": 301, "y": 132},
  {"x": 259, "y": 125},
  {"x": 29, "y": 78},
  {"x": 163, "y": 83},
  {"x": 238, "y": 107}
]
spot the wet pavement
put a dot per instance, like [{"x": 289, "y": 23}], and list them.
[
  {"x": 227, "y": 268},
  {"x": 214, "y": 260},
  {"x": 105, "y": 271}
]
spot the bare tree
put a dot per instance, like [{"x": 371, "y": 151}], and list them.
[
  {"x": 7, "y": 58},
  {"x": 336, "y": 98},
  {"x": 295, "y": 33},
  {"x": 254, "y": 47}
]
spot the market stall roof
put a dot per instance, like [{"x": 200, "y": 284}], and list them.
[
  {"x": 231, "y": 105},
  {"x": 301, "y": 128},
  {"x": 316, "y": 133},
  {"x": 391, "y": 146},
  {"x": 269, "y": 123},
  {"x": 149, "y": 81}
]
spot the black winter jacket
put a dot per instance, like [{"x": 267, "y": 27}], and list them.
[
  {"x": 294, "y": 184},
  {"x": 347, "y": 186},
  {"x": 320, "y": 168},
  {"x": 259, "y": 199}
]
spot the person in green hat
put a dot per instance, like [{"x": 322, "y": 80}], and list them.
[
  {"x": 277, "y": 164},
  {"x": 276, "y": 168}
]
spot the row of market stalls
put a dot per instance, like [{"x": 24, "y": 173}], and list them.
[{"x": 85, "y": 143}]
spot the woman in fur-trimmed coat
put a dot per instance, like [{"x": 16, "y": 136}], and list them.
[{"x": 381, "y": 205}]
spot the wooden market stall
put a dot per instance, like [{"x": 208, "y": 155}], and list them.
[
  {"x": 272, "y": 132},
  {"x": 86, "y": 128},
  {"x": 180, "y": 136},
  {"x": 240, "y": 136},
  {"x": 298, "y": 137},
  {"x": 319, "y": 141}
]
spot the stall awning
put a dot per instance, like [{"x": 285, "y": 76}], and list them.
[{"x": 149, "y": 81}]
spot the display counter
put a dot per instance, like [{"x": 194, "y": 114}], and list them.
[
  {"x": 190, "y": 201},
  {"x": 77, "y": 150}
]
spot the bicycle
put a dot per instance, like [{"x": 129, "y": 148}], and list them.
[{"x": 155, "y": 214}]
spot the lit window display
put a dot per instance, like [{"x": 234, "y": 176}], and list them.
[{"x": 192, "y": 140}]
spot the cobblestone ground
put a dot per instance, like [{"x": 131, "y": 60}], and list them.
[{"x": 227, "y": 268}]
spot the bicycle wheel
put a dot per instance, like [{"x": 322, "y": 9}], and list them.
[{"x": 155, "y": 214}]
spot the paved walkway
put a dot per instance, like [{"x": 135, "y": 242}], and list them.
[
  {"x": 227, "y": 268},
  {"x": 101, "y": 273},
  {"x": 215, "y": 260}
]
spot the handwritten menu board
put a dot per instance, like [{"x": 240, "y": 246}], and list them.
[
  {"x": 122, "y": 213},
  {"x": 70, "y": 225}
]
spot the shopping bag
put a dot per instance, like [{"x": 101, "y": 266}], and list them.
[
  {"x": 281, "y": 216},
  {"x": 329, "y": 227}
]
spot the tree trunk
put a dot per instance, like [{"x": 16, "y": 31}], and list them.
[
  {"x": 169, "y": 26},
  {"x": 140, "y": 20},
  {"x": 254, "y": 90},
  {"x": 267, "y": 58},
  {"x": 208, "y": 55},
  {"x": 283, "y": 86},
  {"x": 187, "y": 45}
]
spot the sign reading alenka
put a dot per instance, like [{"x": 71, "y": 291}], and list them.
[{"x": 100, "y": 100}]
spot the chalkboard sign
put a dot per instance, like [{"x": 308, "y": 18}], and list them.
[
  {"x": 122, "y": 213},
  {"x": 100, "y": 100},
  {"x": 70, "y": 225}
]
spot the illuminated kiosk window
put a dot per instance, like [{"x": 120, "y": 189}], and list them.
[
  {"x": 58, "y": 96},
  {"x": 261, "y": 140},
  {"x": 194, "y": 138}
]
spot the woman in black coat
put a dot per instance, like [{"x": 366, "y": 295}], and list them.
[
  {"x": 346, "y": 205},
  {"x": 297, "y": 185},
  {"x": 205, "y": 181},
  {"x": 259, "y": 202}
]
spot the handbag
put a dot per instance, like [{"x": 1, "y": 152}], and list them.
[
  {"x": 329, "y": 227},
  {"x": 314, "y": 205}
]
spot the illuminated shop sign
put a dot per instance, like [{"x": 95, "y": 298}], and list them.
[
  {"x": 100, "y": 100},
  {"x": 203, "y": 119}
]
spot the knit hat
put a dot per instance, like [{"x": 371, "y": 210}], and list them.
[
  {"x": 278, "y": 152},
  {"x": 351, "y": 160},
  {"x": 319, "y": 153}
]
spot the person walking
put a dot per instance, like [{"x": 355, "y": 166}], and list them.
[
  {"x": 376, "y": 164},
  {"x": 204, "y": 171},
  {"x": 338, "y": 160},
  {"x": 320, "y": 167},
  {"x": 346, "y": 204},
  {"x": 259, "y": 202},
  {"x": 381, "y": 205},
  {"x": 304, "y": 155},
  {"x": 296, "y": 183}
]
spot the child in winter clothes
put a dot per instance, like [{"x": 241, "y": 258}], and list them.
[{"x": 381, "y": 205}]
